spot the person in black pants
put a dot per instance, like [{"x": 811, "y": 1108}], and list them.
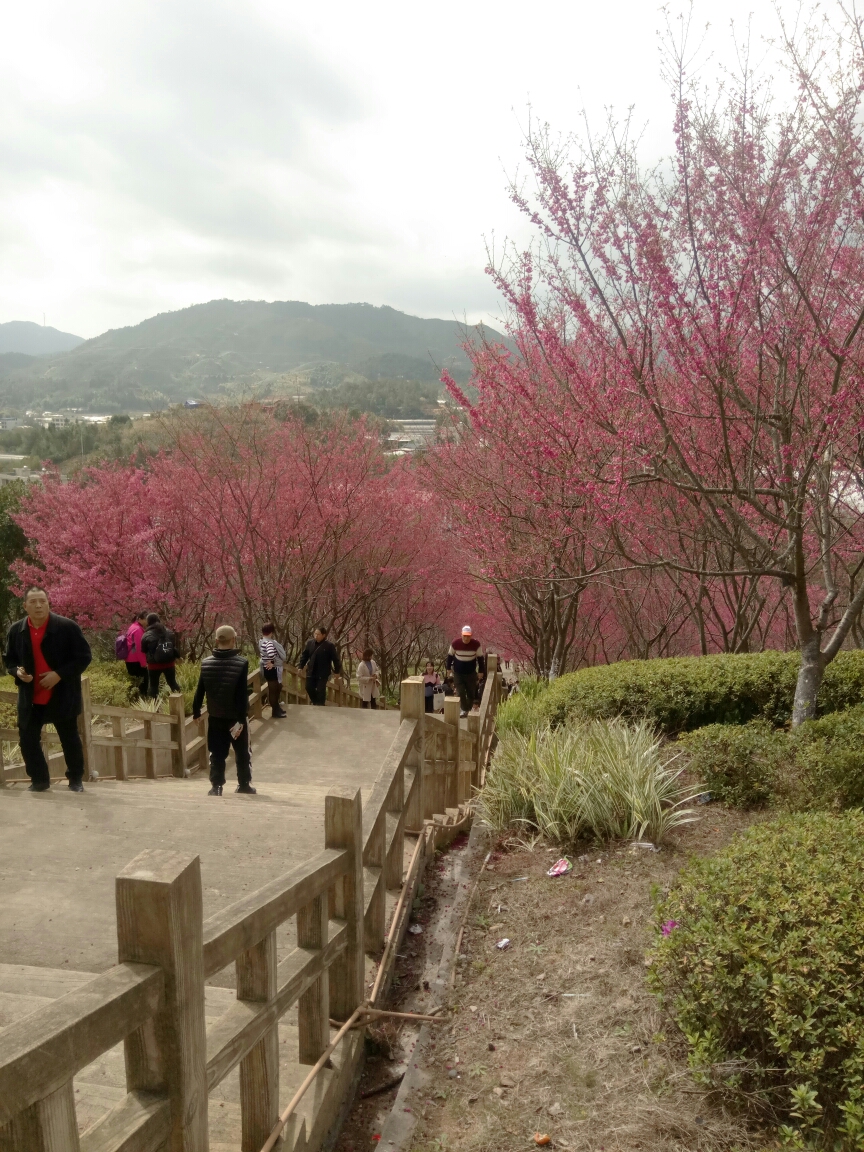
[
  {"x": 46, "y": 654},
  {"x": 158, "y": 646},
  {"x": 223, "y": 681},
  {"x": 320, "y": 659}
]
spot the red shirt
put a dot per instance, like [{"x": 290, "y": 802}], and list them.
[{"x": 40, "y": 695}]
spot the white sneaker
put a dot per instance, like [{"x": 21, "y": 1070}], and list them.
[{"x": 462, "y": 715}]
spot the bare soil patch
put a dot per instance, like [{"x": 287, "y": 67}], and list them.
[{"x": 557, "y": 1034}]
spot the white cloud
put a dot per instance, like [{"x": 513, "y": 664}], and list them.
[{"x": 157, "y": 153}]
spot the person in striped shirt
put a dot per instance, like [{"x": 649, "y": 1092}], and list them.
[
  {"x": 272, "y": 661},
  {"x": 466, "y": 660}
]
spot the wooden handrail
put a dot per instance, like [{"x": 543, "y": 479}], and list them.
[
  {"x": 236, "y": 1033},
  {"x": 160, "y": 922},
  {"x": 42, "y": 1051},
  {"x": 242, "y": 925},
  {"x": 394, "y": 761}
]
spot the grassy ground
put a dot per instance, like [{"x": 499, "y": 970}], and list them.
[{"x": 557, "y": 1034}]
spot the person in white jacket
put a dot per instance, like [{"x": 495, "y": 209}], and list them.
[
  {"x": 369, "y": 680},
  {"x": 272, "y": 662}
]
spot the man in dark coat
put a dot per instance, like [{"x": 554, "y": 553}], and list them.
[
  {"x": 46, "y": 654},
  {"x": 223, "y": 681},
  {"x": 321, "y": 660}
]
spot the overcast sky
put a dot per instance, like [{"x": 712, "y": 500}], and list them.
[{"x": 159, "y": 153}]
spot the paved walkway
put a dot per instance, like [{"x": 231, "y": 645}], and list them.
[{"x": 60, "y": 852}]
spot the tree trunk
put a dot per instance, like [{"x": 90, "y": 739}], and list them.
[{"x": 809, "y": 680}]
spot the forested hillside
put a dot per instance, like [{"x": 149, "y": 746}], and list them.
[{"x": 230, "y": 349}]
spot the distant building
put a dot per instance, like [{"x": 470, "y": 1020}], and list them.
[
  {"x": 412, "y": 436},
  {"x": 55, "y": 418},
  {"x": 20, "y": 474}
]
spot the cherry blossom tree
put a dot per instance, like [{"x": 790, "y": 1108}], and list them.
[
  {"x": 247, "y": 517},
  {"x": 702, "y": 330}
]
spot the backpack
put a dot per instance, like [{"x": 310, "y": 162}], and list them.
[
  {"x": 121, "y": 647},
  {"x": 164, "y": 652}
]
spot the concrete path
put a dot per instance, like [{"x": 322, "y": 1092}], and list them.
[{"x": 60, "y": 852}]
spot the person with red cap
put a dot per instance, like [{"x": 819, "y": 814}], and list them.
[{"x": 465, "y": 660}]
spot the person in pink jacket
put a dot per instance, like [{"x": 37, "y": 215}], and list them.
[{"x": 136, "y": 661}]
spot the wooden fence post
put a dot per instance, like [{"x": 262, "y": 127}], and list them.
[
  {"x": 85, "y": 727},
  {"x": 394, "y": 864},
  {"x": 259, "y": 1069},
  {"x": 313, "y": 1007},
  {"x": 258, "y": 706},
  {"x": 149, "y": 751},
  {"x": 121, "y": 763},
  {"x": 374, "y": 856},
  {"x": 455, "y": 784},
  {"x": 160, "y": 921},
  {"x": 49, "y": 1125},
  {"x": 474, "y": 728},
  {"x": 411, "y": 707},
  {"x": 177, "y": 708},
  {"x": 343, "y": 828}
]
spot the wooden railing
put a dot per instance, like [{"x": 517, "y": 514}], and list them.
[
  {"x": 169, "y": 744},
  {"x": 153, "y": 999},
  {"x": 454, "y": 758}
]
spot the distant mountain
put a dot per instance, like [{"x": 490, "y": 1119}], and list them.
[
  {"x": 231, "y": 348},
  {"x": 10, "y": 361},
  {"x": 35, "y": 339}
]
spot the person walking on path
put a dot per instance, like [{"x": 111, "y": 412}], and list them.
[
  {"x": 223, "y": 682},
  {"x": 466, "y": 660},
  {"x": 157, "y": 644},
  {"x": 431, "y": 680},
  {"x": 136, "y": 660},
  {"x": 272, "y": 663},
  {"x": 368, "y": 680},
  {"x": 46, "y": 654},
  {"x": 321, "y": 660}
]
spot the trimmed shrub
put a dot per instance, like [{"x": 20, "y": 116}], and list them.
[
  {"x": 827, "y": 770},
  {"x": 688, "y": 692},
  {"x": 758, "y": 958},
  {"x": 818, "y": 765},
  {"x": 739, "y": 763},
  {"x": 603, "y": 779}
]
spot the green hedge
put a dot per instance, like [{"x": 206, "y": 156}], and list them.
[
  {"x": 688, "y": 692},
  {"x": 760, "y": 964},
  {"x": 818, "y": 765}
]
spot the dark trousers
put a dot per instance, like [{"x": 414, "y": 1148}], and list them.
[
  {"x": 316, "y": 690},
  {"x": 138, "y": 672},
  {"x": 274, "y": 688},
  {"x": 373, "y": 703},
  {"x": 170, "y": 680},
  {"x": 29, "y": 737},
  {"x": 428, "y": 703},
  {"x": 219, "y": 744},
  {"x": 466, "y": 687}
]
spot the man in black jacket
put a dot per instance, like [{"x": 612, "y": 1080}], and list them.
[
  {"x": 223, "y": 681},
  {"x": 46, "y": 655},
  {"x": 320, "y": 659}
]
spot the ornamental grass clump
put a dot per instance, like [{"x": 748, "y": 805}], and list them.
[
  {"x": 521, "y": 712},
  {"x": 603, "y": 779},
  {"x": 763, "y": 973}
]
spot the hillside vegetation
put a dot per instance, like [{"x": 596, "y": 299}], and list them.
[{"x": 230, "y": 349}]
